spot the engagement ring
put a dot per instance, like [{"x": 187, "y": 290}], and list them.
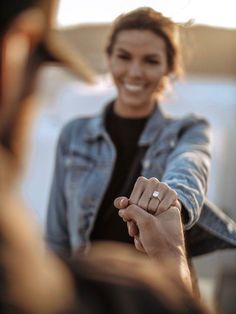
[{"x": 156, "y": 194}]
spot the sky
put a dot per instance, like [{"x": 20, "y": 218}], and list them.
[{"x": 218, "y": 13}]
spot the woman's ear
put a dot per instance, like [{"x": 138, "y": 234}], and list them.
[{"x": 23, "y": 34}]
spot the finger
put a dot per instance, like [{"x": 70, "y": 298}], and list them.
[
  {"x": 178, "y": 204},
  {"x": 147, "y": 193},
  {"x": 134, "y": 213},
  {"x": 154, "y": 203},
  {"x": 128, "y": 227},
  {"x": 121, "y": 202},
  {"x": 164, "y": 193},
  {"x": 132, "y": 228},
  {"x": 137, "y": 190},
  {"x": 159, "y": 188},
  {"x": 172, "y": 214},
  {"x": 175, "y": 212},
  {"x": 169, "y": 199},
  {"x": 138, "y": 245}
]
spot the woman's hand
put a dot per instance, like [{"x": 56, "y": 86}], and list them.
[{"x": 153, "y": 196}]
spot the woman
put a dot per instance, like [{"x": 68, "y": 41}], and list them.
[{"x": 131, "y": 149}]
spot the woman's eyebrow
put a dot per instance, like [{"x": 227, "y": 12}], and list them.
[
  {"x": 153, "y": 55},
  {"x": 119, "y": 49}
]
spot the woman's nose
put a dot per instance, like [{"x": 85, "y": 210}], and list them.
[{"x": 135, "y": 69}]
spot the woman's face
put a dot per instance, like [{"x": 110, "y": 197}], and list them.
[{"x": 138, "y": 63}]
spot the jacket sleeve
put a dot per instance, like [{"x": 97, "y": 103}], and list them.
[
  {"x": 57, "y": 235},
  {"x": 188, "y": 167}
]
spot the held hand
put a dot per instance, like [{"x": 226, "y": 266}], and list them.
[
  {"x": 123, "y": 202},
  {"x": 157, "y": 235},
  {"x": 153, "y": 196}
]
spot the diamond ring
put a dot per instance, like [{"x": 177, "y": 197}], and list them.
[{"x": 156, "y": 194}]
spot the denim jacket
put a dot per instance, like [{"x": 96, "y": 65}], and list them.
[{"x": 177, "y": 153}]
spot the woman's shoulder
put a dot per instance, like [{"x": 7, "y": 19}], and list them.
[
  {"x": 191, "y": 124},
  {"x": 79, "y": 124},
  {"x": 191, "y": 119}
]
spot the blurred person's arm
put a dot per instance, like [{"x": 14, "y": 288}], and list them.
[{"x": 160, "y": 237}]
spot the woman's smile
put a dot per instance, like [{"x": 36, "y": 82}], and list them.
[{"x": 134, "y": 88}]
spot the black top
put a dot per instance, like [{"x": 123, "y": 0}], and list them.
[{"x": 124, "y": 133}]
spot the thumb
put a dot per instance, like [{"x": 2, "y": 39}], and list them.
[
  {"x": 134, "y": 213},
  {"x": 121, "y": 202}
]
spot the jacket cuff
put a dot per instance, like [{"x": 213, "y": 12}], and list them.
[{"x": 191, "y": 206}]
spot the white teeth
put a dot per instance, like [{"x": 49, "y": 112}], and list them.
[{"x": 133, "y": 87}]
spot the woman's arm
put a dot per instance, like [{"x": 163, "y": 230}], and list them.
[
  {"x": 184, "y": 182},
  {"x": 187, "y": 169}
]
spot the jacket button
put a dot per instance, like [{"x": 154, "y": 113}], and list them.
[{"x": 146, "y": 164}]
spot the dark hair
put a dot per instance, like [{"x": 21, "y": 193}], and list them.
[{"x": 149, "y": 19}]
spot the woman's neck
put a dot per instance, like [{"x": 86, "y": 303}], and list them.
[{"x": 126, "y": 111}]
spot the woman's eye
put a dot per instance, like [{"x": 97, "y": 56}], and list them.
[
  {"x": 124, "y": 57},
  {"x": 153, "y": 61}
]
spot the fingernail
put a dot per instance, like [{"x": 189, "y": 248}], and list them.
[
  {"x": 120, "y": 212},
  {"x": 122, "y": 202}
]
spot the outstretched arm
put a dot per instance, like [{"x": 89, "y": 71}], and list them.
[{"x": 184, "y": 181}]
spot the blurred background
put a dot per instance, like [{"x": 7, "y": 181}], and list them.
[{"x": 208, "y": 34}]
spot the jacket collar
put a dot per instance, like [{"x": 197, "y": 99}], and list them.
[
  {"x": 154, "y": 126},
  {"x": 96, "y": 127}
]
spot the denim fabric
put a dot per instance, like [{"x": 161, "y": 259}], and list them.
[{"x": 178, "y": 153}]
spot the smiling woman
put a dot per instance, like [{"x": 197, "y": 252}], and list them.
[
  {"x": 100, "y": 152},
  {"x": 133, "y": 149}
]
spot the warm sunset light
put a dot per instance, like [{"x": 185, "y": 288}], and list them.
[{"x": 215, "y": 13}]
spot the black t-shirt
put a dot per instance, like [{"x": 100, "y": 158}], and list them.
[{"x": 124, "y": 133}]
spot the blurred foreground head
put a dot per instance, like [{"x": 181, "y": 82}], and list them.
[
  {"x": 27, "y": 41},
  {"x": 31, "y": 279}
]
